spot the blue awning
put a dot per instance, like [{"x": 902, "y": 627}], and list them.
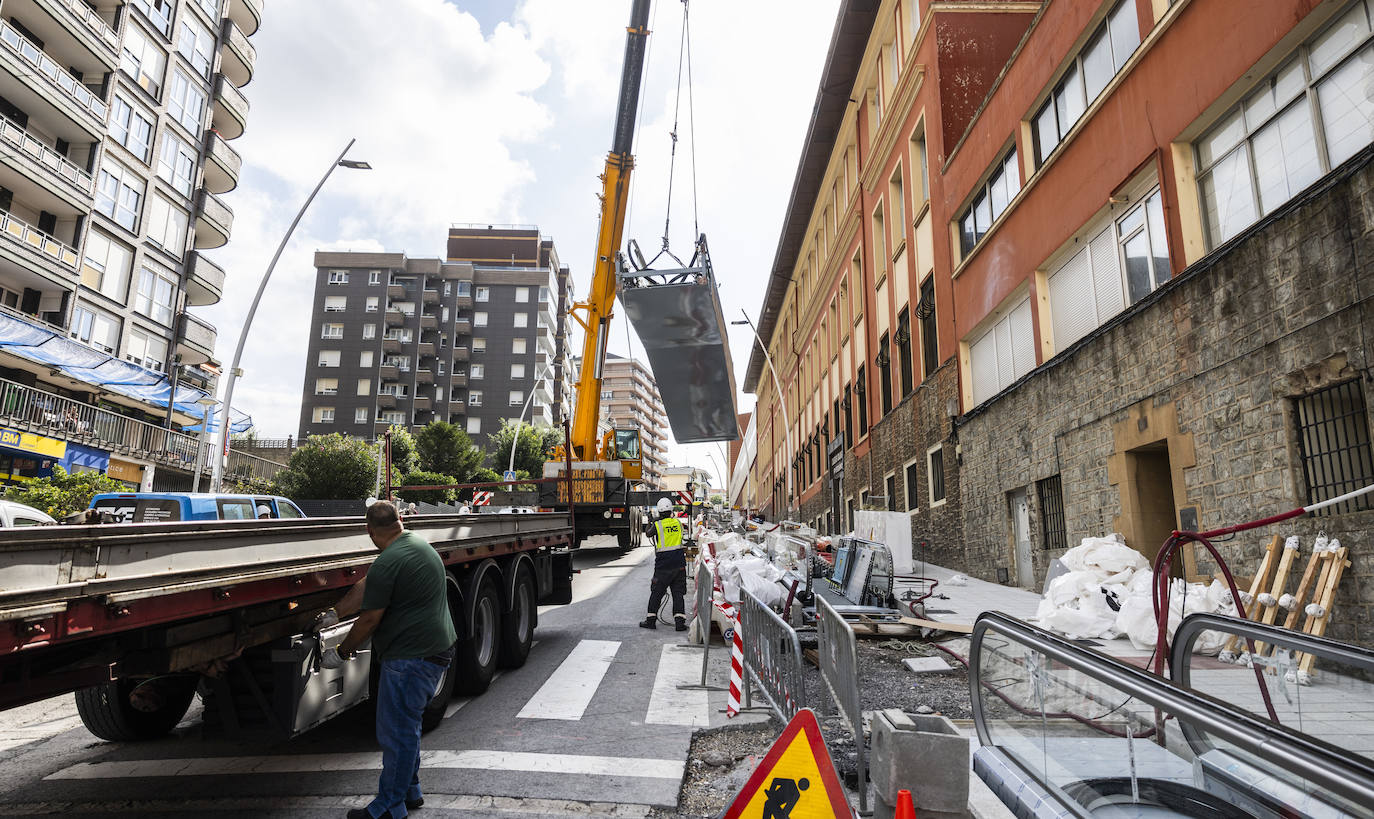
[{"x": 79, "y": 455}]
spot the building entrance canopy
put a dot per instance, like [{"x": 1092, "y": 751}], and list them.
[{"x": 75, "y": 360}]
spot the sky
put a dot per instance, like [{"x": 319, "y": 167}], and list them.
[{"x": 501, "y": 112}]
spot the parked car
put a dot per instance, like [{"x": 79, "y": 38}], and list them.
[
  {"x": 17, "y": 514},
  {"x": 156, "y": 507}
]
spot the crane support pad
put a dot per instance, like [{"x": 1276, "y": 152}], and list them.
[{"x": 683, "y": 332}]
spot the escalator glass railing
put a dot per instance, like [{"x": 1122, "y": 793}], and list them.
[{"x": 1068, "y": 731}]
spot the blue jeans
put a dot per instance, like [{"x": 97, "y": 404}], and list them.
[{"x": 405, "y": 689}]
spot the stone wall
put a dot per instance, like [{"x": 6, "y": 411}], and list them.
[{"x": 1223, "y": 351}]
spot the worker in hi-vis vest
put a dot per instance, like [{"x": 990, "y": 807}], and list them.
[{"x": 670, "y": 567}]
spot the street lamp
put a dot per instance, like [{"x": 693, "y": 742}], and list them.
[
  {"x": 515, "y": 439},
  {"x": 777, "y": 385},
  {"x": 222, "y": 450},
  {"x": 207, "y": 403}
]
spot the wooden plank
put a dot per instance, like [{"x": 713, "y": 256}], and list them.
[
  {"x": 958, "y": 628},
  {"x": 1338, "y": 566},
  {"x": 1276, "y": 591},
  {"x": 1261, "y": 577},
  {"x": 1304, "y": 588}
]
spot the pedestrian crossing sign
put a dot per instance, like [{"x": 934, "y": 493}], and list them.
[{"x": 796, "y": 780}]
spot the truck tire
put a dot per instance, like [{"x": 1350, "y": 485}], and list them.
[
  {"x": 107, "y": 712},
  {"x": 476, "y": 656},
  {"x": 517, "y": 626}
]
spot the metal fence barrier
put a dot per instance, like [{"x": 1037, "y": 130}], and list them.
[
  {"x": 705, "y": 585},
  {"x": 839, "y": 655},
  {"x": 772, "y": 657}
]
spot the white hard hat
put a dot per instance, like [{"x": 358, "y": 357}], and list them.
[
  {"x": 264, "y": 511},
  {"x": 664, "y": 506}
]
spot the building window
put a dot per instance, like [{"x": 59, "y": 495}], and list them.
[
  {"x": 1050, "y": 493},
  {"x": 522, "y": 320},
  {"x": 989, "y": 202},
  {"x": 464, "y": 288},
  {"x": 483, "y": 294},
  {"x": 323, "y": 415},
  {"x": 365, "y": 359},
  {"x": 474, "y": 398},
  {"x": 883, "y": 361},
  {"x": 326, "y": 386},
  {"x": 146, "y": 350},
  {"x": 522, "y": 295},
  {"x": 517, "y": 371},
  {"x": 890, "y": 485},
  {"x": 360, "y": 415},
  {"x": 913, "y": 492},
  {"x": 479, "y": 345},
  {"x": 935, "y": 472},
  {"x": 925, "y": 313},
  {"x": 861, "y": 400},
  {"x": 143, "y": 60},
  {"x": 131, "y": 127},
  {"x": 374, "y": 277},
  {"x": 1003, "y": 353},
  {"x": 517, "y": 398},
  {"x": 119, "y": 195},
  {"x": 543, "y": 295},
  {"x": 176, "y": 163},
  {"x": 1300, "y": 123},
  {"x": 369, "y": 331},
  {"x": 156, "y": 290},
  {"x": 517, "y": 346},
  {"x": 197, "y": 45},
  {"x": 476, "y": 372},
  {"x": 479, "y": 319},
  {"x": 338, "y": 277},
  {"x": 474, "y": 426},
  {"x": 848, "y": 417},
  {"x": 364, "y": 386},
  {"x": 158, "y": 12},
  {"x": 167, "y": 225},
  {"x": 896, "y": 198},
  {"x": 331, "y": 331},
  {"x": 335, "y": 304},
  {"x": 541, "y": 322},
  {"x": 329, "y": 358},
  {"x": 95, "y": 327},
  {"x": 186, "y": 103},
  {"x": 918, "y": 159},
  {"x": 372, "y": 304},
  {"x": 108, "y": 265},
  {"x": 903, "y": 339},
  {"x": 1333, "y": 440},
  {"x": 1116, "y": 38}
]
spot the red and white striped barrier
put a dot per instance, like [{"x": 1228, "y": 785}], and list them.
[
  {"x": 684, "y": 498},
  {"x": 481, "y": 498}
]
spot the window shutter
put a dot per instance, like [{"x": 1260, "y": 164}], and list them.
[
  {"x": 983, "y": 361},
  {"x": 1072, "y": 303},
  {"x": 1106, "y": 274},
  {"x": 1005, "y": 364},
  {"x": 1022, "y": 340}
]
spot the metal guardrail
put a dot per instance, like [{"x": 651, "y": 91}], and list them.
[
  {"x": 56, "y": 74},
  {"x": 838, "y": 649},
  {"x": 705, "y": 584},
  {"x": 773, "y": 657}
]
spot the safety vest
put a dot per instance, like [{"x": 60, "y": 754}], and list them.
[{"x": 669, "y": 534}]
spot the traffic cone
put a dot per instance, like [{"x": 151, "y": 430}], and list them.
[{"x": 906, "y": 809}]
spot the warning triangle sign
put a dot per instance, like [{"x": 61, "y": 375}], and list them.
[{"x": 796, "y": 780}]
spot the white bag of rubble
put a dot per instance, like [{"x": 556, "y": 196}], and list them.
[
  {"x": 1137, "y": 617},
  {"x": 1109, "y": 557},
  {"x": 1075, "y": 606}
]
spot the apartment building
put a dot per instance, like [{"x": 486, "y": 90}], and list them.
[
  {"x": 1117, "y": 250},
  {"x": 470, "y": 341},
  {"x": 629, "y": 398},
  {"x": 115, "y": 122}
]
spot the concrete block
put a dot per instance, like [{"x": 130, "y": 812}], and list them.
[
  {"x": 925, "y": 665},
  {"x": 924, "y": 754}
]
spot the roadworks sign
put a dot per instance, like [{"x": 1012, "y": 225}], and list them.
[{"x": 796, "y": 780}]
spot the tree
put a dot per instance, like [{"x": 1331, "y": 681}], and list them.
[
  {"x": 403, "y": 456},
  {"x": 532, "y": 448},
  {"x": 446, "y": 449},
  {"x": 434, "y": 496},
  {"x": 64, "y": 492},
  {"x": 330, "y": 467}
]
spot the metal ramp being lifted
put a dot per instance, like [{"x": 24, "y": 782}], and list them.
[{"x": 678, "y": 318}]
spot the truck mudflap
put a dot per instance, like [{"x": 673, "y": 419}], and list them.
[
  {"x": 307, "y": 693},
  {"x": 554, "y": 576}
]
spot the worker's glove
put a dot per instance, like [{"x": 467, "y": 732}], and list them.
[
  {"x": 325, "y": 619},
  {"x": 332, "y": 659}
]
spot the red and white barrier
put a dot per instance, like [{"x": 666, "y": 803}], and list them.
[{"x": 481, "y": 498}]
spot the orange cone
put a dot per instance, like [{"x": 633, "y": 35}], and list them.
[{"x": 906, "y": 809}]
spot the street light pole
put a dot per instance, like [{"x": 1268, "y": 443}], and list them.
[
  {"x": 515, "y": 439},
  {"x": 207, "y": 404},
  {"x": 782, "y": 401},
  {"x": 222, "y": 448}
]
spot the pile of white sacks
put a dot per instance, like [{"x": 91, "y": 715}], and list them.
[
  {"x": 765, "y": 569},
  {"x": 1106, "y": 594}
]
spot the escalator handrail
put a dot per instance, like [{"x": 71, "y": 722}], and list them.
[
  {"x": 1324, "y": 766},
  {"x": 1194, "y": 624}
]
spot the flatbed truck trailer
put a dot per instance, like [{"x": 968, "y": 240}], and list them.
[{"x": 134, "y": 619}]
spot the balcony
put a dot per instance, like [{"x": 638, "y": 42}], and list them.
[
  {"x": 421, "y": 402},
  {"x": 460, "y": 353},
  {"x": 204, "y": 280},
  {"x": 430, "y": 295},
  {"x": 463, "y": 299},
  {"x": 26, "y": 242},
  {"x": 463, "y": 326},
  {"x": 49, "y": 81},
  {"x": 395, "y": 318},
  {"x": 214, "y": 221},
  {"x": 40, "y": 175},
  {"x": 396, "y": 291},
  {"x": 237, "y": 55},
  {"x": 456, "y": 405},
  {"x": 429, "y": 322},
  {"x": 229, "y": 115},
  {"x": 458, "y": 380},
  {"x": 222, "y": 164},
  {"x": 426, "y": 349},
  {"x": 246, "y": 14},
  {"x": 195, "y": 341},
  {"x": 424, "y": 376},
  {"x": 386, "y": 400},
  {"x": 73, "y": 32},
  {"x": 391, "y": 345},
  {"x": 389, "y": 372}
]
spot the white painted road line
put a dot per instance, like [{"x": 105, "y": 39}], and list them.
[
  {"x": 678, "y": 665},
  {"x": 319, "y": 763},
  {"x": 463, "y": 804},
  {"x": 569, "y": 690}
]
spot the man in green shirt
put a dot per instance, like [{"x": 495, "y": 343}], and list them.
[{"x": 404, "y": 610}]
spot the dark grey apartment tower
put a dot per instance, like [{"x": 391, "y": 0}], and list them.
[{"x": 471, "y": 341}]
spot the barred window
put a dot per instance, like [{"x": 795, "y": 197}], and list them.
[
  {"x": 1333, "y": 438},
  {"x": 1050, "y": 493}
]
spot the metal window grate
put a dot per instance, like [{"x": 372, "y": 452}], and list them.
[
  {"x": 1053, "y": 532},
  {"x": 936, "y": 460},
  {"x": 1333, "y": 437}
]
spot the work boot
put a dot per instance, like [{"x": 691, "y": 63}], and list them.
[
  {"x": 649, "y": 622},
  {"x": 681, "y": 624}
]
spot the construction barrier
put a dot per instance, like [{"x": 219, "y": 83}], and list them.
[
  {"x": 839, "y": 655},
  {"x": 705, "y": 583},
  {"x": 773, "y": 657}
]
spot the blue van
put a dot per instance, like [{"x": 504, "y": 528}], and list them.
[{"x": 158, "y": 507}]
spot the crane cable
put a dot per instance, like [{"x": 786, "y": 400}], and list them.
[{"x": 684, "y": 55}]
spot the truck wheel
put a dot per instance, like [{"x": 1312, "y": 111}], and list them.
[
  {"x": 517, "y": 627},
  {"x": 476, "y": 655},
  {"x": 108, "y": 710},
  {"x": 434, "y": 712}
]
